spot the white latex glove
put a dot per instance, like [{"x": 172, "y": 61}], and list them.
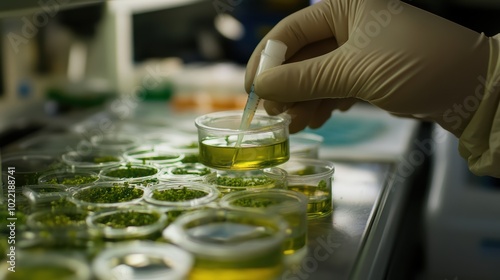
[{"x": 400, "y": 58}]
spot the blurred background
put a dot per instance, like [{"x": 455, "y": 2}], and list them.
[{"x": 58, "y": 56}]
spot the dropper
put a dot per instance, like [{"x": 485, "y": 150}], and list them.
[{"x": 272, "y": 55}]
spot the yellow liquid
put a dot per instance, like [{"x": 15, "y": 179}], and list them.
[
  {"x": 295, "y": 243},
  {"x": 260, "y": 273},
  {"x": 266, "y": 264},
  {"x": 319, "y": 201},
  {"x": 221, "y": 154}
]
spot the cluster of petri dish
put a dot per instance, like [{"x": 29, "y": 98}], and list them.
[{"x": 204, "y": 206}]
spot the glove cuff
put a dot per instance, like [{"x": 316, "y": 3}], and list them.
[{"x": 480, "y": 141}]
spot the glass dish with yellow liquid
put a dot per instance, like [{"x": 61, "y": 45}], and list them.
[
  {"x": 230, "y": 244},
  {"x": 313, "y": 178},
  {"x": 290, "y": 205},
  {"x": 223, "y": 146}
]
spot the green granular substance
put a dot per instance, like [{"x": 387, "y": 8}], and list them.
[
  {"x": 132, "y": 172},
  {"x": 255, "y": 203},
  {"x": 191, "y": 159},
  {"x": 173, "y": 214},
  {"x": 54, "y": 219},
  {"x": 113, "y": 194},
  {"x": 242, "y": 181},
  {"x": 75, "y": 181},
  {"x": 128, "y": 219},
  {"x": 185, "y": 171},
  {"x": 178, "y": 194},
  {"x": 62, "y": 203},
  {"x": 104, "y": 159},
  {"x": 322, "y": 184}
]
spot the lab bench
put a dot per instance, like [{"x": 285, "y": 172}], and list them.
[{"x": 357, "y": 239}]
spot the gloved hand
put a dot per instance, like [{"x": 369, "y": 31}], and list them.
[{"x": 402, "y": 59}]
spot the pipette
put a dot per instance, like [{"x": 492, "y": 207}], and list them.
[{"x": 272, "y": 55}]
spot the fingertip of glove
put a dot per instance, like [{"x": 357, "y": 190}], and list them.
[{"x": 262, "y": 86}]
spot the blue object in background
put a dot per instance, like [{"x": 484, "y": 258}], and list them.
[{"x": 344, "y": 130}]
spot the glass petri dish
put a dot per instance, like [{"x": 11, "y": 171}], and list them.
[
  {"x": 231, "y": 180},
  {"x": 59, "y": 229},
  {"x": 178, "y": 142},
  {"x": 264, "y": 144},
  {"x": 56, "y": 142},
  {"x": 27, "y": 167},
  {"x": 40, "y": 196},
  {"x": 181, "y": 195},
  {"x": 38, "y": 192},
  {"x": 107, "y": 195},
  {"x": 230, "y": 244},
  {"x": 92, "y": 160},
  {"x": 305, "y": 145},
  {"x": 69, "y": 178},
  {"x": 127, "y": 223},
  {"x": 47, "y": 265},
  {"x": 191, "y": 172},
  {"x": 132, "y": 173},
  {"x": 62, "y": 218},
  {"x": 114, "y": 142},
  {"x": 142, "y": 260},
  {"x": 313, "y": 178},
  {"x": 155, "y": 155},
  {"x": 290, "y": 205}
]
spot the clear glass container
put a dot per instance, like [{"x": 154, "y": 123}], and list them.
[
  {"x": 92, "y": 160},
  {"x": 114, "y": 142},
  {"x": 46, "y": 265},
  {"x": 132, "y": 173},
  {"x": 27, "y": 167},
  {"x": 231, "y": 180},
  {"x": 290, "y": 205},
  {"x": 305, "y": 145},
  {"x": 177, "y": 198},
  {"x": 153, "y": 155},
  {"x": 61, "y": 229},
  {"x": 192, "y": 172},
  {"x": 142, "y": 260},
  {"x": 69, "y": 178},
  {"x": 178, "y": 142},
  {"x": 55, "y": 142},
  {"x": 41, "y": 196},
  {"x": 63, "y": 218},
  {"x": 312, "y": 177},
  {"x": 264, "y": 144},
  {"x": 186, "y": 144},
  {"x": 181, "y": 195},
  {"x": 230, "y": 244},
  {"x": 107, "y": 195},
  {"x": 127, "y": 223}
]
